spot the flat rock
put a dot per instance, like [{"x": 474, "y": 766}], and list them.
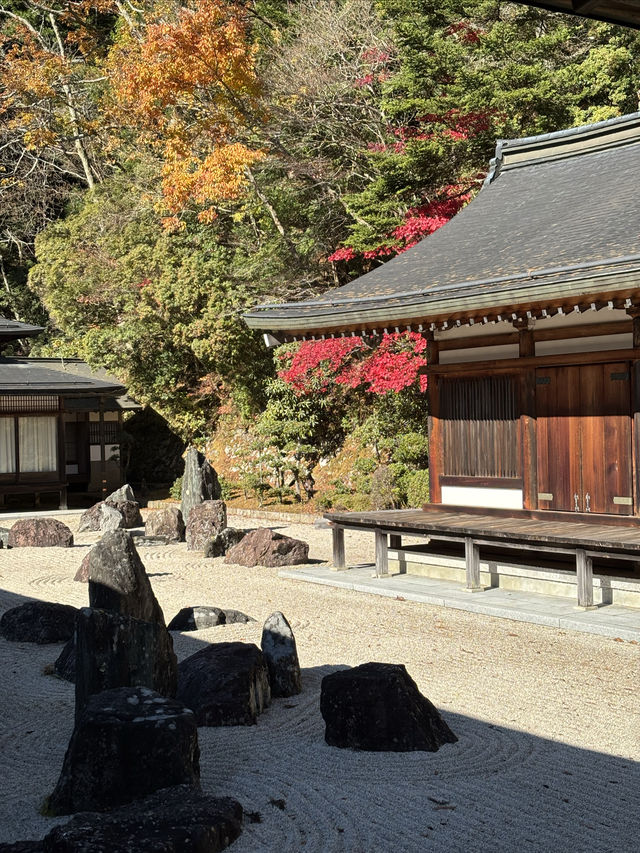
[
  {"x": 378, "y": 707},
  {"x": 264, "y": 547},
  {"x": 113, "y": 650},
  {"x": 280, "y": 653},
  {"x": 173, "y": 820},
  {"x": 225, "y": 684},
  {"x": 128, "y": 743},
  {"x": 205, "y": 521},
  {"x": 40, "y": 533},
  {"x": 167, "y": 523},
  {"x": 199, "y": 482},
  {"x": 39, "y": 622},
  {"x": 221, "y": 542},
  {"x": 202, "y": 616},
  {"x": 197, "y": 618},
  {"x": 118, "y": 580}
]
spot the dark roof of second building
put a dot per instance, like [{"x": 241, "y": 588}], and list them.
[
  {"x": 559, "y": 215},
  {"x": 34, "y": 376},
  {"x": 12, "y": 329}
]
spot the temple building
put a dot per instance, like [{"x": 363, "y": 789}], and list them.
[
  {"x": 60, "y": 425},
  {"x": 530, "y": 300}
]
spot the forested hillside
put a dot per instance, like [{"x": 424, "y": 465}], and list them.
[{"x": 166, "y": 165}]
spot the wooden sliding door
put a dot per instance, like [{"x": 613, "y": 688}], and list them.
[{"x": 584, "y": 456}]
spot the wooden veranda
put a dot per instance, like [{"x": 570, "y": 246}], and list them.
[{"x": 525, "y": 531}]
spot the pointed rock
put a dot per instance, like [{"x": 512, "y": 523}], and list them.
[{"x": 281, "y": 655}]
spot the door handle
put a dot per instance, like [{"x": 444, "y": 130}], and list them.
[
  {"x": 576, "y": 508},
  {"x": 587, "y": 499}
]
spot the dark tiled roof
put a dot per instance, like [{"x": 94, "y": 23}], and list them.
[
  {"x": 626, "y": 12},
  {"x": 558, "y": 216},
  {"x": 25, "y": 376},
  {"x": 11, "y": 329}
]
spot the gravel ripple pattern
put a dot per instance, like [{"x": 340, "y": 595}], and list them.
[{"x": 548, "y": 721}]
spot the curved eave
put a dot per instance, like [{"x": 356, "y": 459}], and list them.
[
  {"x": 463, "y": 304},
  {"x": 623, "y": 12}
]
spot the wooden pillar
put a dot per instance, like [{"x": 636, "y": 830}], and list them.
[
  {"x": 635, "y": 408},
  {"x": 337, "y": 534},
  {"x": 472, "y": 564},
  {"x": 436, "y": 449},
  {"x": 584, "y": 571},
  {"x": 528, "y": 456},
  {"x": 382, "y": 557}
]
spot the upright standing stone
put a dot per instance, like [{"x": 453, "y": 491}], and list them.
[
  {"x": 128, "y": 743},
  {"x": 167, "y": 523},
  {"x": 199, "y": 482},
  {"x": 205, "y": 521},
  {"x": 118, "y": 581},
  {"x": 119, "y": 651},
  {"x": 281, "y": 655}
]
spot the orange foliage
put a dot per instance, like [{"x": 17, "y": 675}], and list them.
[{"x": 187, "y": 84}]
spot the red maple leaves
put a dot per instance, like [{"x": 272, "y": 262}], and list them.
[{"x": 355, "y": 362}]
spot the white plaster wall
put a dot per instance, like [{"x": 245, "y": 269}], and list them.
[
  {"x": 595, "y": 344},
  {"x": 480, "y": 496},
  {"x": 456, "y": 356}
]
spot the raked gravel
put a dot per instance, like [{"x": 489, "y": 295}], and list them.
[{"x": 548, "y": 757}]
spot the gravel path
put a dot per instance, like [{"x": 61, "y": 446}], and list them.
[{"x": 548, "y": 721}]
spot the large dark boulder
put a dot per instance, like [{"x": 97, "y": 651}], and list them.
[
  {"x": 167, "y": 523},
  {"x": 378, "y": 707},
  {"x": 100, "y": 517},
  {"x": 173, "y": 820},
  {"x": 113, "y": 650},
  {"x": 118, "y": 581},
  {"x": 39, "y": 622},
  {"x": 205, "y": 521},
  {"x": 39, "y": 533},
  {"x": 280, "y": 653},
  {"x": 199, "y": 482},
  {"x": 264, "y": 547},
  {"x": 128, "y": 743},
  {"x": 221, "y": 542},
  {"x": 225, "y": 684},
  {"x": 199, "y": 617}
]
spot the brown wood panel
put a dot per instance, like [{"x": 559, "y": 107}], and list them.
[
  {"x": 616, "y": 441},
  {"x": 516, "y": 364},
  {"x": 558, "y": 438}
]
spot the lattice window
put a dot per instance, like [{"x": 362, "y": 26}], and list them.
[
  {"x": 480, "y": 427},
  {"x": 20, "y": 403},
  {"x": 111, "y": 432}
]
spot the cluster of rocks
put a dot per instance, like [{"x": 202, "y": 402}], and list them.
[
  {"x": 119, "y": 510},
  {"x": 201, "y": 521},
  {"x": 134, "y": 746}
]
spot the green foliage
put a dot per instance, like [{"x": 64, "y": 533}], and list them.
[
  {"x": 411, "y": 448},
  {"x": 176, "y": 489},
  {"x": 417, "y": 484}
]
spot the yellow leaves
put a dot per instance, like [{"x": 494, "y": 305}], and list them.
[
  {"x": 220, "y": 175},
  {"x": 188, "y": 85}
]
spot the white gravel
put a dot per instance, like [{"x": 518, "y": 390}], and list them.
[{"x": 548, "y": 720}]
